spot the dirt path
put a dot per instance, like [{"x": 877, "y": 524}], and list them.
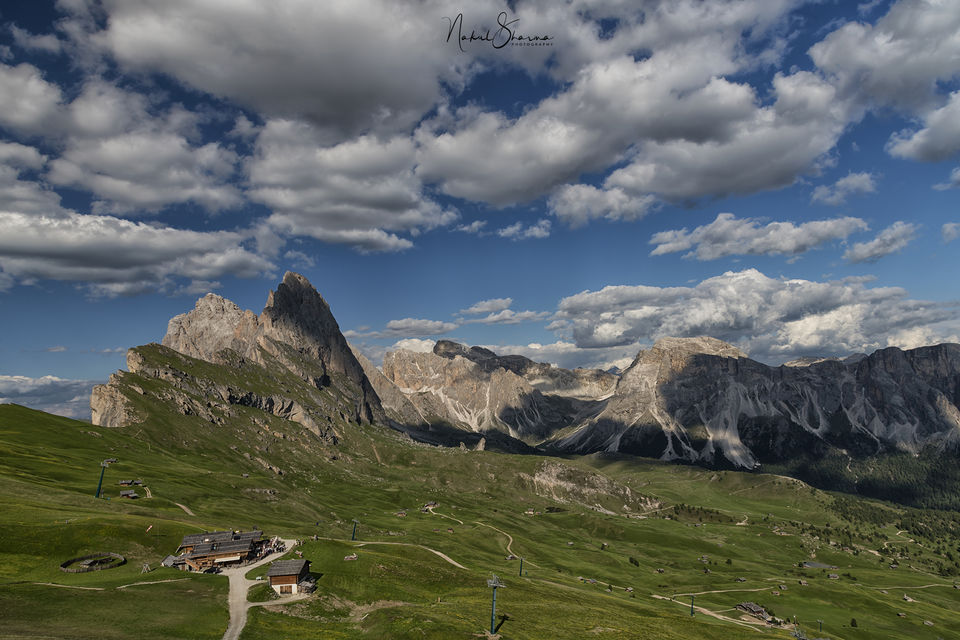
[
  {"x": 185, "y": 508},
  {"x": 442, "y": 515},
  {"x": 509, "y": 537},
  {"x": 700, "y": 593},
  {"x": 743, "y": 522},
  {"x": 713, "y": 614},
  {"x": 509, "y": 541},
  {"x": 136, "y": 584},
  {"x": 419, "y": 546},
  {"x": 69, "y": 586},
  {"x": 926, "y": 586},
  {"x": 147, "y": 489},
  {"x": 756, "y": 486},
  {"x": 239, "y": 585}
]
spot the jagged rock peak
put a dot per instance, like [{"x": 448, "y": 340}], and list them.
[
  {"x": 296, "y": 331},
  {"x": 700, "y": 344},
  {"x": 214, "y": 324},
  {"x": 298, "y": 315},
  {"x": 451, "y": 349}
]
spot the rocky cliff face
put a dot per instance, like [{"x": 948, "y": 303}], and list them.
[
  {"x": 588, "y": 384},
  {"x": 476, "y": 390},
  {"x": 703, "y": 400},
  {"x": 694, "y": 399},
  {"x": 294, "y": 335}
]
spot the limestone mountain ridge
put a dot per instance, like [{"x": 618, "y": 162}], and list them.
[
  {"x": 695, "y": 399},
  {"x": 295, "y": 337}
]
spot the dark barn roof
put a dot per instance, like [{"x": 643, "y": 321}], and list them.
[
  {"x": 288, "y": 567},
  {"x": 221, "y": 538}
]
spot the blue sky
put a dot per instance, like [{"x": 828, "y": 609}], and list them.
[{"x": 779, "y": 174}]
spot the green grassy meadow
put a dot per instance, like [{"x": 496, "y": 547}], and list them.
[{"x": 588, "y": 529}]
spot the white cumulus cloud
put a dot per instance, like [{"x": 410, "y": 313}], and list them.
[
  {"x": 890, "y": 240},
  {"x": 728, "y": 235},
  {"x": 488, "y": 306},
  {"x": 852, "y": 183},
  {"x": 70, "y": 398},
  {"x": 769, "y": 318},
  {"x": 950, "y": 231},
  {"x": 518, "y": 231},
  {"x": 114, "y": 256}
]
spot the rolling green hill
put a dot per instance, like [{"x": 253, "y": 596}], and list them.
[{"x": 615, "y": 521}]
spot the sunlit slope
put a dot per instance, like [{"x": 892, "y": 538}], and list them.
[{"x": 587, "y": 529}]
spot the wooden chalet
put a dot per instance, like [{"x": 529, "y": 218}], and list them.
[
  {"x": 201, "y": 551},
  {"x": 754, "y": 610},
  {"x": 290, "y": 576}
]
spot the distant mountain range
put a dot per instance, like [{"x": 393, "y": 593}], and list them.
[{"x": 697, "y": 400}]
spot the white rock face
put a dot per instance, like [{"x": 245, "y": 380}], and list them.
[
  {"x": 476, "y": 390},
  {"x": 697, "y": 399},
  {"x": 700, "y": 399},
  {"x": 109, "y": 407},
  {"x": 397, "y": 404},
  {"x": 214, "y": 324}
]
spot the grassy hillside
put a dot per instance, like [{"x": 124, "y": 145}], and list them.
[{"x": 615, "y": 521}]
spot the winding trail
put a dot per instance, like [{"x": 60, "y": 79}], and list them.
[
  {"x": 756, "y": 486},
  {"x": 147, "y": 489},
  {"x": 713, "y": 614},
  {"x": 239, "y": 585},
  {"x": 185, "y": 508},
  {"x": 509, "y": 537},
  {"x": 509, "y": 542},
  {"x": 137, "y": 584},
  {"x": 925, "y": 586},
  {"x": 400, "y": 544},
  {"x": 443, "y": 515},
  {"x": 700, "y": 593},
  {"x": 419, "y": 546},
  {"x": 69, "y": 586}
]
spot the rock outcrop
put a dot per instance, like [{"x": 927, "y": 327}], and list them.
[
  {"x": 295, "y": 334},
  {"x": 702, "y": 400},
  {"x": 476, "y": 390},
  {"x": 109, "y": 407},
  {"x": 695, "y": 399},
  {"x": 399, "y": 408},
  {"x": 588, "y": 384}
]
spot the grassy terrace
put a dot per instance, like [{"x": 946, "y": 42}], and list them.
[{"x": 752, "y": 526}]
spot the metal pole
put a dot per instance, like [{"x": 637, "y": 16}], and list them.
[
  {"x": 691, "y": 605},
  {"x": 353, "y": 536},
  {"x": 820, "y": 622},
  {"x": 521, "y": 566},
  {"x": 493, "y": 611},
  {"x": 103, "y": 468}
]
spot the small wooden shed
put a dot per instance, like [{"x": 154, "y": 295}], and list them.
[{"x": 286, "y": 575}]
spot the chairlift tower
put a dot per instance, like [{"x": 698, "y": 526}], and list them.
[
  {"x": 493, "y": 584},
  {"x": 103, "y": 467},
  {"x": 691, "y": 606},
  {"x": 353, "y": 536}
]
